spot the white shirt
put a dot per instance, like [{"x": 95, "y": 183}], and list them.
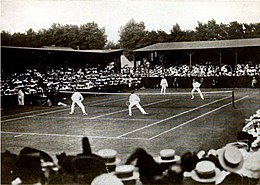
[
  {"x": 196, "y": 84},
  {"x": 134, "y": 98},
  {"x": 20, "y": 93},
  {"x": 77, "y": 97},
  {"x": 164, "y": 82}
]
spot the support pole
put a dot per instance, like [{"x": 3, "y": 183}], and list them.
[{"x": 233, "y": 99}]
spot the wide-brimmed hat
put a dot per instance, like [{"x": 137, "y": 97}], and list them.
[
  {"x": 230, "y": 158},
  {"x": 205, "y": 172},
  {"x": 110, "y": 157},
  {"x": 126, "y": 173},
  {"x": 167, "y": 156}
]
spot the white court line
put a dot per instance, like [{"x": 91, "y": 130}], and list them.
[
  {"x": 166, "y": 119},
  {"x": 49, "y": 112},
  {"x": 127, "y": 109},
  {"x": 196, "y": 118},
  {"x": 19, "y": 134},
  {"x": 85, "y": 117},
  {"x": 157, "y": 93},
  {"x": 33, "y": 111}
]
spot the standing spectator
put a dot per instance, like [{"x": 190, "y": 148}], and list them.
[
  {"x": 254, "y": 82},
  {"x": 77, "y": 98},
  {"x": 163, "y": 85},
  {"x": 175, "y": 83},
  {"x": 20, "y": 97}
]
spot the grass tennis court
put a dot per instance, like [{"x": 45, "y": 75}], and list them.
[{"x": 175, "y": 122}]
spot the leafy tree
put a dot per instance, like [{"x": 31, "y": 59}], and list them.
[
  {"x": 209, "y": 31},
  {"x": 112, "y": 45},
  {"x": 131, "y": 35},
  {"x": 235, "y": 30},
  {"x": 5, "y": 38},
  {"x": 163, "y": 36}
]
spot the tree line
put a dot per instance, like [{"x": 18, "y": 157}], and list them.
[{"x": 132, "y": 35}]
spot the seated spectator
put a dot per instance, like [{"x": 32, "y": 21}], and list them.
[
  {"x": 107, "y": 179},
  {"x": 110, "y": 157},
  {"x": 127, "y": 174},
  {"x": 167, "y": 158},
  {"x": 148, "y": 167},
  {"x": 8, "y": 167},
  {"x": 189, "y": 161},
  {"x": 232, "y": 160}
]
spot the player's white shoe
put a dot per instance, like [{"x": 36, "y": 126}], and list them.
[
  {"x": 85, "y": 114},
  {"x": 192, "y": 97}
]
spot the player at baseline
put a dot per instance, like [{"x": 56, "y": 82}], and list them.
[
  {"x": 164, "y": 85},
  {"x": 196, "y": 87},
  {"x": 134, "y": 100},
  {"x": 77, "y": 98}
]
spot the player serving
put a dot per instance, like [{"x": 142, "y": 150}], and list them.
[
  {"x": 134, "y": 100},
  {"x": 196, "y": 87}
]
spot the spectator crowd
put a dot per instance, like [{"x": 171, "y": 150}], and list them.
[
  {"x": 235, "y": 163},
  {"x": 40, "y": 83}
]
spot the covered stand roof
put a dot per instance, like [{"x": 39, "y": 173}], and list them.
[
  {"x": 195, "y": 45},
  {"x": 63, "y": 49},
  {"x": 18, "y": 58}
]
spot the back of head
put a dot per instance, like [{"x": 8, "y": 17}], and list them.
[
  {"x": 29, "y": 169},
  {"x": 107, "y": 179},
  {"x": 189, "y": 161},
  {"x": 88, "y": 167},
  {"x": 175, "y": 174}
]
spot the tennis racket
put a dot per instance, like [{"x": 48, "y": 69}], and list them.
[{"x": 127, "y": 103}]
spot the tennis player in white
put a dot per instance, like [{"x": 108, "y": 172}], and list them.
[
  {"x": 196, "y": 87},
  {"x": 77, "y": 98},
  {"x": 164, "y": 85},
  {"x": 134, "y": 100}
]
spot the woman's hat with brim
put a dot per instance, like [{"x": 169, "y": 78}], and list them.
[
  {"x": 230, "y": 158},
  {"x": 126, "y": 173},
  {"x": 251, "y": 166},
  {"x": 205, "y": 172},
  {"x": 167, "y": 156}
]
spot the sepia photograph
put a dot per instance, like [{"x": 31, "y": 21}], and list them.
[{"x": 130, "y": 92}]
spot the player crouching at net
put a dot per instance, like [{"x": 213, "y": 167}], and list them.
[
  {"x": 77, "y": 98},
  {"x": 134, "y": 100},
  {"x": 196, "y": 87}
]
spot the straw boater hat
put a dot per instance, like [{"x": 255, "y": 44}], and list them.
[
  {"x": 110, "y": 158},
  {"x": 167, "y": 156},
  {"x": 127, "y": 174},
  {"x": 230, "y": 158},
  {"x": 205, "y": 172}
]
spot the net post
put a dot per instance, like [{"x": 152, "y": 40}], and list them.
[{"x": 233, "y": 99}]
